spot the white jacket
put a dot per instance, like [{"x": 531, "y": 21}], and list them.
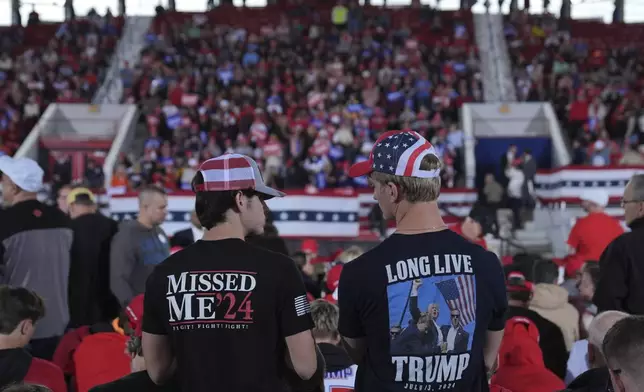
[{"x": 516, "y": 180}]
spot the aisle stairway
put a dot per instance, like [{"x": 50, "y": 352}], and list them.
[
  {"x": 546, "y": 234},
  {"x": 129, "y": 49},
  {"x": 496, "y": 68}
]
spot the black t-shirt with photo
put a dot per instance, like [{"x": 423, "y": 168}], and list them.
[
  {"x": 423, "y": 303},
  {"x": 227, "y": 306}
]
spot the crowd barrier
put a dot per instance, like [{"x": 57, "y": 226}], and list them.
[{"x": 340, "y": 213}]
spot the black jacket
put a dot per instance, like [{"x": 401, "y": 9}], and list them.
[
  {"x": 336, "y": 358},
  {"x": 14, "y": 366},
  {"x": 621, "y": 282},
  {"x": 182, "y": 238},
  {"x": 137, "y": 382},
  {"x": 551, "y": 340},
  {"x": 593, "y": 380},
  {"x": 90, "y": 297}
]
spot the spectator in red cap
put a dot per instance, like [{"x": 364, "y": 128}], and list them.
[
  {"x": 333, "y": 275},
  {"x": 138, "y": 380},
  {"x": 310, "y": 248},
  {"x": 521, "y": 366},
  {"x": 332, "y": 282},
  {"x": 520, "y": 292},
  {"x": 20, "y": 310},
  {"x": 100, "y": 358},
  {"x": 307, "y": 270},
  {"x": 66, "y": 350}
]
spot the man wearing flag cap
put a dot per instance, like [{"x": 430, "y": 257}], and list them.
[
  {"x": 222, "y": 311},
  {"x": 424, "y": 259}
]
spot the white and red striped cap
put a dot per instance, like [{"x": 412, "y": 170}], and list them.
[
  {"x": 398, "y": 153},
  {"x": 231, "y": 172}
]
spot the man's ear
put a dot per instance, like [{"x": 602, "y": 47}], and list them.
[
  {"x": 394, "y": 192},
  {"x": 239, "y": 200},
  {"x": 25, "y": 327}
]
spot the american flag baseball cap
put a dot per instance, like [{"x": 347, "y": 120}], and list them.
[
  {"x": 231, "y": 172},
  {"x": 398, "y": 153}
]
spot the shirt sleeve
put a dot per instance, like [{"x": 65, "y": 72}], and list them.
[
  {"x": 611, "y": 290},
  {"x": 294, "y": 309},
  {"x": 350, "y": 324},
  {"x": 122, "y": 262},
  {"x": 499, "y": 294},
  {"x": 153, "y": 316}
]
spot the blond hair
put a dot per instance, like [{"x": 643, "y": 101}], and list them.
[
  {"x": 352, "y": 252},
  {"x": 325, "y": 319},
  {"x": 414, "y": 189}
]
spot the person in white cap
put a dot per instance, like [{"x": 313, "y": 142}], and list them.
[
  {"x": 222, "y": 311},
  {"x": 591, "y": 234},
  {"x": 35, "y": 248}
]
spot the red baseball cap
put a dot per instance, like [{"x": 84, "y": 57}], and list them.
[
  {"x": 517, "y": 282},
  {"x": 310, "y": 246},
  {"x": 398, "y": 153},
  {"x": 134, "y": 312}
]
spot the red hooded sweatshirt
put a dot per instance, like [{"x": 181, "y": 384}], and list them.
[
  {"x": 100, "y": 359},
  {"x": 521, "y": 366}
]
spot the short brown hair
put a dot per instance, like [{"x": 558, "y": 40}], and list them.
[
  {"x": 151, "y": 190},
  {"x": 623, "y": 347},
  {"x": 413, "y": 189},
  {"x": 16, "y": 305},
  {"x": 211, "y": 207},
  {"x": 325, "y": 319}
]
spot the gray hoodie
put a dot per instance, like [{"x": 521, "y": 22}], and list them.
[{"x": 135, "y": 251}]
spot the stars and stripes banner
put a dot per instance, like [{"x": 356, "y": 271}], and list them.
[
  {"x": 459, "y": 293},
  {"x": 339, "y": 213},
  {"x": 343, "y": 213},
  {"x": 564, "y": 187},
  {"x": 568, "y": 183}
]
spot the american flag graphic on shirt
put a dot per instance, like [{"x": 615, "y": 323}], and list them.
[
  {"x": 302, "y": 306},
  {"x": 460, "y": 294}
]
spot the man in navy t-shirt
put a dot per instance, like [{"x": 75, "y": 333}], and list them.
[{"x": 424, "y": 310}]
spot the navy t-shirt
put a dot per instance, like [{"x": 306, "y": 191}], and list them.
[{"x": 423, "y": 303}]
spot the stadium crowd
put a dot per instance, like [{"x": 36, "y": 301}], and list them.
[
  {"x": 307, "y": 100},
  {"x": 592, "y": 74},
  {"x": 66, "y": 321},
  {"x": 40, "y": 65},
  {"x": 305, "y": 96}
]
